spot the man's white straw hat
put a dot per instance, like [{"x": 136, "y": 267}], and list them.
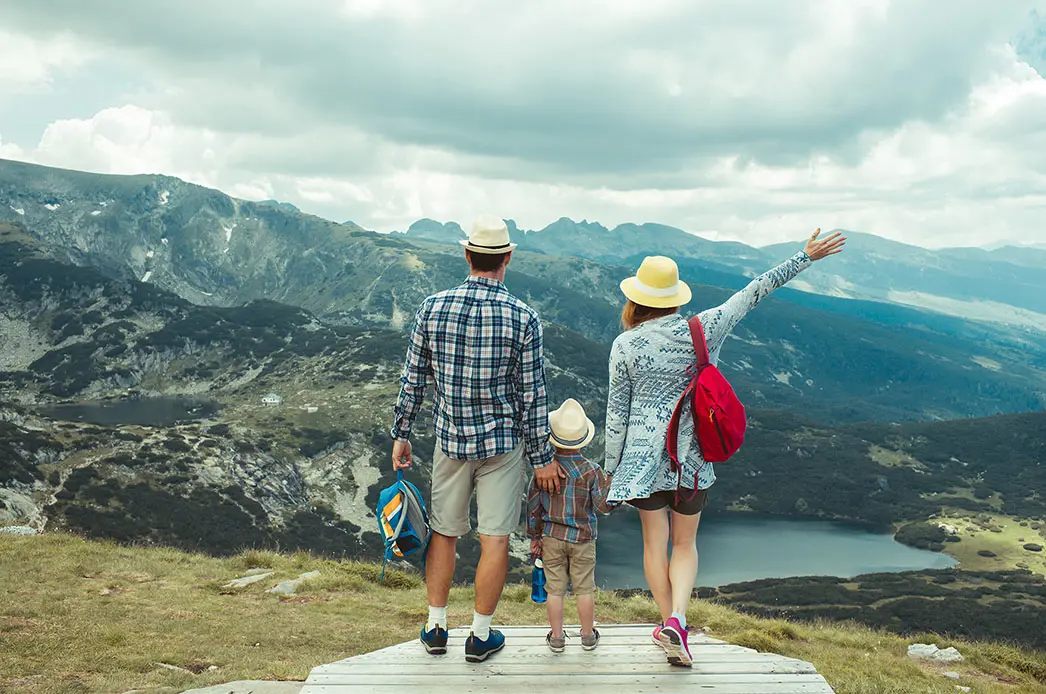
[{"x": 489, "y": 235}]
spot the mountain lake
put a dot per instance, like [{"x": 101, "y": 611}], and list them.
[
  {"x": 152, "y": 412},
  {"x": 734, "y": 548}
]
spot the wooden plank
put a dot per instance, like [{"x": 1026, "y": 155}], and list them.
[
  {"x": 590, "y": 688},
  {"x": 642, "y": 633},
  {"x": 538, "y": 649},
  {"x": 615, "y": 668},
  {"x": 626, "y": 661},
  {"x": 680, "y": 681},
  {"x": 613, "y": 654}
]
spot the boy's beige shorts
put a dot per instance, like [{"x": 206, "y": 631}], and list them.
[{"x": 567, "y": 560}]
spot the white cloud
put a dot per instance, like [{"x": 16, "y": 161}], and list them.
[
  {"x": 755, "y": 121},
  {"x": 28, "y": 64}
]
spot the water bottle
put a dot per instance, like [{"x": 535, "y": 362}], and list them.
[{"x": 537, "y": 582}]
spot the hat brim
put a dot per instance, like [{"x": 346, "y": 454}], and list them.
[
  {"x": 572, "y": 445},
  {"x": 634, "y": 294},
  {"x": 488, "y": 251}
]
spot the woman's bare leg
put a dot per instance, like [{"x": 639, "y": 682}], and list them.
[
  {"x": 682, "y": 570},
  {"x": 655, "y": 558}
]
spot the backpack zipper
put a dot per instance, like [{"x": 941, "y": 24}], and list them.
[{"x": 715, "y": 422}]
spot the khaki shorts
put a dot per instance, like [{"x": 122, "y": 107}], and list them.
[
  {"x": 498, "y": 483},
  {"x": 565, "y": 560}
]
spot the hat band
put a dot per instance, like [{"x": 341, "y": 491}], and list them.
[
  {"x": 490, "y": 248},
  {"x": 660, "y": 292},
  {"x": 571, "y": 442}
]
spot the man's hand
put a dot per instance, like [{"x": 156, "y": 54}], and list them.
[
  {"x": 535, "y": 548},
  {"x": 548, "y": 477},
  {"x": 401, "y": 455},
  {"x": 822, "y": 248}
]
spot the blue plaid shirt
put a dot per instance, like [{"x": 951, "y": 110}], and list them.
[{"x": 482, "y": 349}]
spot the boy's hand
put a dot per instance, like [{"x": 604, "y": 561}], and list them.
[{"x": 535, "y": 548}]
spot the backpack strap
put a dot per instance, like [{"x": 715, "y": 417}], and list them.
[
  {"x": 697, "y": 336},
  {"x": 399, "y": 524}
]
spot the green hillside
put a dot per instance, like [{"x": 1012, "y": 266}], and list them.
[{"x": 78, "y": 616}]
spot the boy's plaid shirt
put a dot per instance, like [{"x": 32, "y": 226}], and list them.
[
  {"x": 569, "y": 515},
  {"x": 482, "y": 349}
]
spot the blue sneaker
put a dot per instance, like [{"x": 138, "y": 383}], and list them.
[
  {"x": 434, "y": 641},
  {"x": 477, "y": 651}
]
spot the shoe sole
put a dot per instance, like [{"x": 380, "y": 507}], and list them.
[
  {"x": 557, "y": 649},
  {"x": 434, "y": 650},
  {"x": 480, "y": 658},
  {"x": 673, "y": 645},
  {"x": 590, "y": 648}
]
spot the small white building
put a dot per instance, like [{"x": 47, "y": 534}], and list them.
[{"x": 272, "y": 400}]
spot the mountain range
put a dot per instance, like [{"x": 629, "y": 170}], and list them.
[{"x": 147, "y": 286}]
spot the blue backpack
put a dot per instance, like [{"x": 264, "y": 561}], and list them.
[{"x": 402, "y": 520}]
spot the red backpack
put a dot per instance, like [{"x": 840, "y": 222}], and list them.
[{"x": 719, "y": 417}]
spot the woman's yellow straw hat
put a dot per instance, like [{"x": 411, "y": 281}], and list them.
[{"x": 657, "y": 284}]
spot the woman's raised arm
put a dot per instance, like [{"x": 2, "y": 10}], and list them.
[{"x": 720, "y": 321}]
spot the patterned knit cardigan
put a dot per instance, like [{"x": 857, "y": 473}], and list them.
[{"x": 648, "y": 373}]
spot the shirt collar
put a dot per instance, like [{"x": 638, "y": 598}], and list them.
[
  {"x": 570, "y": 456},
  {"x": 486, "y": 282}
]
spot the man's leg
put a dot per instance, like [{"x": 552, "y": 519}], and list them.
[
  {"x": 491, "y": 572},
  {"x": 439, "y": 568},
  {"x": 500, "y": 482},
  {"x": 451, "y": 494}
]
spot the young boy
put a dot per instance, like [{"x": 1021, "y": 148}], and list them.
[{"x": 562, "y": 526}]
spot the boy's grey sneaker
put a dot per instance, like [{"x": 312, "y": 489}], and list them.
[
  {"x": 556, "y": 645},
  {"x": 590, "y": 641}
]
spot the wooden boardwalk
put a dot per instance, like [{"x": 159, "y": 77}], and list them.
[{"x": 626, "y": 661}]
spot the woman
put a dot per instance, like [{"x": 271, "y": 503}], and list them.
[{"x": 649, "y": 370}]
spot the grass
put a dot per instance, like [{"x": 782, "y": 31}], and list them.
[
  {"x": 80, "y": 615},
  {"x": 1002, "y": 535}
]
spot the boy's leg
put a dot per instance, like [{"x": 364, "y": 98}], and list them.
[
  {"x": 586, "y": 613},
  {"x": 555, "y": 614},
  {"x": 555, "y": 557},
  {"x": 583, "y": 578}
]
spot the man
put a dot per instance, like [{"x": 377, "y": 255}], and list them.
[{"x": 482, "y": 349}]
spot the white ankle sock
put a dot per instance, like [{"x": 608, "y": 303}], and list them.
[
  {"x": 681, "y": 617},
  {"x": 481, "y": 625},
  {"x": 437, "y": 617}
]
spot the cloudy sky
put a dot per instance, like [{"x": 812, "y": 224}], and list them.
[{"x": 755, "y": 120}]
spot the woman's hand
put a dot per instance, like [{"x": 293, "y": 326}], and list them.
[{"x": 822, "y": 248}]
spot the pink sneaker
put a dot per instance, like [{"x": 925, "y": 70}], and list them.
[
  {"x": 657, "y": 634},
  {"x": 673, "y": 639}
]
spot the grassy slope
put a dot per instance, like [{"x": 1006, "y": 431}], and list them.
[{"x": 92, "y": 616}]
